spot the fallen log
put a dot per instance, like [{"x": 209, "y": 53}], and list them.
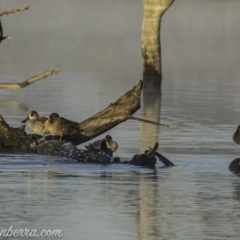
[
  {"x": 16, "y": 139},
  {"x": 114, "y": 114}
]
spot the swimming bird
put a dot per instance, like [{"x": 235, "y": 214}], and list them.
[
  {"x": 1, "y": 34},
  {"x": 236, "y": 136},
  {"x": 35, "y": 123},
  {"x": 61, "y": 126},
  {"x": 110, "y": 143}
]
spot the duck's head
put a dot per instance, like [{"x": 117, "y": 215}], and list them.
[
  {"x": 53, "y": 116},
  {"x": 33, "y": 115},
  {"x": 108, "y": 138}
]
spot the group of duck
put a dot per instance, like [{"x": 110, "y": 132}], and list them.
[
  {"x": 57, "y": 125},
  {"x": 53, "y": 125}
]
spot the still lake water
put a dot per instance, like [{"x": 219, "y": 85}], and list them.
[{"x": 96, "y": 44}]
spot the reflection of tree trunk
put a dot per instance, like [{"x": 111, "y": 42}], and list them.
[
  {"x": 151, "y": 104},
  {"x": 153, "y": 11},
  {"x": 147, "y": 215}
]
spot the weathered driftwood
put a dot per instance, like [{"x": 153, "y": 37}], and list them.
[
  {"x": 148, "y": 158},
  {"x": 18, "y": 10},
  {"x": 17, "y": 86},
  {"x": 109, "y": 117},
  {"x": 115, "y": 113},
  {"x": 11, "y": 140}
]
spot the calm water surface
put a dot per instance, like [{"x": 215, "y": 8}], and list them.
[{"x": 96, "y": 44}]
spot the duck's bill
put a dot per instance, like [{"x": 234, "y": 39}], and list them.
[{"x": 24, "y": 121}]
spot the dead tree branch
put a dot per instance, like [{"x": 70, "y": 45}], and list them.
[
  {"x": 17, "y": 86},
  {"x": 115, "y": 113},
  {"x": 18, "y": 10}
]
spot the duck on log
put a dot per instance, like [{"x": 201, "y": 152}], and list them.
[{"x": 16, "y": 140}]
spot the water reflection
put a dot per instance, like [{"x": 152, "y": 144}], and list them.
[
  {"x": 151, "y": 107},
  {"x": 13, "y": 105},
  {"x": 147, "y": 215}
]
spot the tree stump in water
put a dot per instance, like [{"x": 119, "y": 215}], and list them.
[{"x": 153, "y": 11}]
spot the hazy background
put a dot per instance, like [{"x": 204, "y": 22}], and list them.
[{"x": 96, "y": 44}]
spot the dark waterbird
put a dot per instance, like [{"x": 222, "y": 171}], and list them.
[
  {"x": 1, "y": 34},
  {"x": 235, "y": 165}
]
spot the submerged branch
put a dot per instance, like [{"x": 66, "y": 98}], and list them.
[
  {"x": 17, "y": 86},
  {"x": 18, "y": 10},
  {"x": 148, "y": 121}
]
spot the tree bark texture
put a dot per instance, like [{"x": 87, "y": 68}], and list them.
[{"x": 153, "y": 11}]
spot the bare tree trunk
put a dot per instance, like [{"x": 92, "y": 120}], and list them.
[
  {"x": 153, "y": 11},
  {"x": 151, "y": 106}
]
